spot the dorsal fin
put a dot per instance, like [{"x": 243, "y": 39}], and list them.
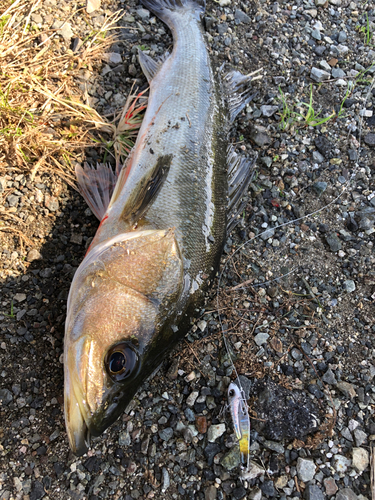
[
  {"x": 96, "y": 186},
  {"x": 238, "y": 96},
  {"x": 149, "y": 65},
  {"x": 240, "y": 174}
]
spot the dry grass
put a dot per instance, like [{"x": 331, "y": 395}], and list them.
[{"x": 46, "y": 120}]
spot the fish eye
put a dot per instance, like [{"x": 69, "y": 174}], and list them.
[
  {"x": 121, "y": 361},
  {"x": 232, "y": 393}
]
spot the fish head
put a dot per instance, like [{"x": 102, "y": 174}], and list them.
[{"x": 121, "y": 306}]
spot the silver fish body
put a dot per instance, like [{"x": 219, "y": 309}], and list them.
[{"x": 160, "y": 238}]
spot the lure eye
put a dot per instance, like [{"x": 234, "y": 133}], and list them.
[
  {"x": 231, "y": 393},
  {"x": 121, "y": 361}
]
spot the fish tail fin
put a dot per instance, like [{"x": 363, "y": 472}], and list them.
[{"x": 163, "y": 8}]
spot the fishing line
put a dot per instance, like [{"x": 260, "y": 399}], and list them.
[{"x": 315, "y": 212}]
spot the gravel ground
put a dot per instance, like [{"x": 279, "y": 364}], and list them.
[{"x": 303, "y": 343}]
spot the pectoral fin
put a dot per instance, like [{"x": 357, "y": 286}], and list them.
[
  {"x": 238, "y": 96},
  {"x": 143, "y": 194},
  {"x": 240, "y": 174},
  {"x": 149, "y": 65}
]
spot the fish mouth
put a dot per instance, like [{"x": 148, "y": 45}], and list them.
[{"x": 76, "y": 425}]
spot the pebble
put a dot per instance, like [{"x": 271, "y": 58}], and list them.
[
  {"x": 349, "y": 286},
  {"x": 215, "y": 431},
  {"x": 330, "y": 486},
  {"x": 166, "y": 434},
  {"x": 319, "y": 75},
  {"x": 241, "y": 17},
  {"x": 92, "y": 6},
  {"x": 341, "y": 463},
  {"x": 347, "y": 389},
  {"x": 329, "y": 377},
  {"x": 305, "y": 469},
  {"x": 33, "y": 255},
  {"x": 333, "y": 242},
  {"x": 313, "y": 492},
  {"x": 369, "y": 139},
  {"x": 261, "y": 338},
  {"x": 5, "y": 397},
  {"x": 360, "y": 437},
  {"x": 346, "y": 494},
  {"x": 320, "y": 187},
  {"x": 360, "y": 459}
]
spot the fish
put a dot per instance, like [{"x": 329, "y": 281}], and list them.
[
  {"x": 241, "y": 421},
  {"x": 164, "y": 219}
]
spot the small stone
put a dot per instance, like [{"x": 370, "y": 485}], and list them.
[
  {"x": 143, "y": 13},
  {"x": 316, "y": 34},
  {"x": 37, "y": 491},
  {"x": 342, "y": 37},
  {"x": 333, "y": 242},
  {"x": 360, "y": 459},
  {"x": 369, "y": 139},
  {"x": 281, "y": 482},
  {"x": 215, "y": 431},
  {"x": 258, "y": 136},
  {"x": 202, "y": 325},
  {"x": 239, "y": 493},
  {"x": 319, "y": 75},
  {"x": 341, "y": 463},
  {"x": 5, "y": 397},
  {"x": 342, "y": 49},
  {"x": 346, "y": 494},
  {"x": 349, "y": 286},
  {"x": 338, "y": 73},
  {"x": 92, "y": 6},
  {"x": 241, "y": 17},
  {"x": 166, "y": 434},
  {"x": 317, "y": 157},
  {"x": 313, "y": 492},
  {"x": 124, "y": 438},
  {"x": 330, "y": 486},
  {"x": 269, "y": 110},
  {"x": 268, "y": 488},
  {"x": 329, "y": 377},
  {"x": 13, "y": 200},
  {"x": 201, "y": 424},
  {"x": 254, "y": 471},
  {"x": 76, "y": 44},
  {"x": 166, "y": 480},
  {"x": 76, "y": 238},
  {"x": 320, "y": 3},
  {"x": 51, "y": 203},
  {"x": 212, "y": 449},
  {"x": 320, "y": 187},
  {"x": 261, "y": 338},
  {"x": 210, "y": 493},
  {"x": 191, "y": 398},
  {"x": 20, "y": 297},
  {"x": 346, "y": 389},
  {"x": 305, "y": 469},
  {"x": 66, "y": 32},
  {"x": 323, "y": 145},
  {"x": 33, "y": 254},
  {"x": 113, "y": 58},
  {"x": 360, "y": 437},
  {"x": 132, "y": 70}
]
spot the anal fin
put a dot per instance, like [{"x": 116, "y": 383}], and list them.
[
  {"x": 238, "y": 96},
  {"x": 240, "y": 174},
  {"x": 96, "y": 186}
]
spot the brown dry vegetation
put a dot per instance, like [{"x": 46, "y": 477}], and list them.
[{"x": 46, "y": 120}]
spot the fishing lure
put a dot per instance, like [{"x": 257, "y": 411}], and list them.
[{"x": 241, "y": 420}]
